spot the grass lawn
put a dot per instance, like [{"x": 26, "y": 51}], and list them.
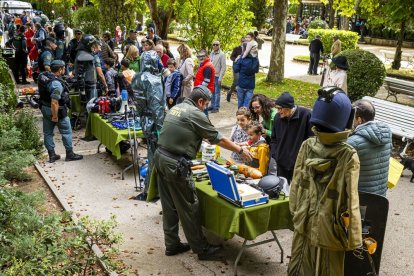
[
  {"x": 305, "y": 58},
  {"x": 405, "y": 72},
  {"x": 304, "y": 93}
]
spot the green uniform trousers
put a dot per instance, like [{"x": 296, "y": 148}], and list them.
[
  {"x": 306, "y": 260},
  {"x": 179, "y": 203}
]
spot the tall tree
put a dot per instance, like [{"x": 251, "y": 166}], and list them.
[
  {"x": 205, "y": 21},
  {"x": 260, "y": 9},
  {"x": 277, "y": 56},
  {"x": 162, "y": 13}
]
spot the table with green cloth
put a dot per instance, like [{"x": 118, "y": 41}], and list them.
[
  {"x": 108, "y": 135},
  {"x": 226, "y": 220}
]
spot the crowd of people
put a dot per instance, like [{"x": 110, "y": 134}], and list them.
[{"x": 276, "y": 136}]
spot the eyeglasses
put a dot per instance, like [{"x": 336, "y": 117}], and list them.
[
  {"x": 201, "y": 56},
  {"x": 216, "y": 44}
]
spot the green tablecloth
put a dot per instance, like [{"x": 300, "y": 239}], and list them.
[
  {"x": 75, "y": 103},
  {"x": 107, "y": 134},
  {"x": 227, "y": 220}
]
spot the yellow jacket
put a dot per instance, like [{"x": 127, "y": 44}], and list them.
[{"x": 260, "y": 154}]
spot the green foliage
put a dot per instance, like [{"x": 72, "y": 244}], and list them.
[
  {"x": 32, "y": 243},
  {"x": 365, "y": 75},
  {"x": 349, "y": 39},
  {"x": 13, "y": 160},
  {"x": 7, "y": 85},
  {"x": 206, "y": 21},
  {"x": 87, "y": 19},
  {"x": 8, "y": 99},
  {"x": 260, "y": 9},
  {"x": 305, "y": 93},
  {"x": 318, "y": 24},
  {"x": 60, "y": 8},
  {"x": 26, "y": 122}
]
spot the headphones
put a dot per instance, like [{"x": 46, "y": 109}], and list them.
[{"x": 204, "y": 90}]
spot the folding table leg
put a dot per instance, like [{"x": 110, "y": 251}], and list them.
[
  {"x": 236, "y": 262},
  {"x": 280, "y": 246},
  {"x": 245, "y": 245},
  {"x": 100, "y": 144}
]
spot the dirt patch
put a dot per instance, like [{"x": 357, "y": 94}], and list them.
[{"x": 38, "y": 184}]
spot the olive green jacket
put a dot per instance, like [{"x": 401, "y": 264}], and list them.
[{"x": 324, "y": 186}]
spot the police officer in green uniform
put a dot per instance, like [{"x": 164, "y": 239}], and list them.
[
  {"x": 185, "y": 126},
  {"x": 47, "y": 55},
  {"x": 54, "y": 101}
]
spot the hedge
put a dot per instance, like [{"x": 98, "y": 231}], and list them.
[
  {"x": 349, "y": 39},
  {"x": 318, "y": 24},
  {"x": 365, "y": 74}
]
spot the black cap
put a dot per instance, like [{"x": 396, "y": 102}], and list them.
[
  {"x": 77, "y": 31},
  {"x": 132, "y": 31},
  {"x": 285, "y": 100},
  {"x": 340, "y": 62}
]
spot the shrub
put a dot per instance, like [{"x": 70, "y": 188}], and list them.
[
  {"x": 349, "y": 39},
  {"x": 26, "y": 122},
  {"x": 366, "y": 73},
  {"x": 87, "y": 19},
  {"x": 318, "y": 24},
  {"x": 5, "y": 77}
]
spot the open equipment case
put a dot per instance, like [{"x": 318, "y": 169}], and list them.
[{"x": 241, "y": 195}]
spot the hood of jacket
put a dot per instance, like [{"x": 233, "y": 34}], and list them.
[{"x": 376, "y": 132}]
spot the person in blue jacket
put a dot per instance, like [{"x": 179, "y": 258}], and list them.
[
  {"x": 173, "y": 84},
  {"x": 247, "y": 69},
  {"x": 373, "y": 143}
]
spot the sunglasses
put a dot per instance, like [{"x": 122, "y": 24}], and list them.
[
  {"x": 216, "y": 44},
  {"x": 201, "y": 56}
]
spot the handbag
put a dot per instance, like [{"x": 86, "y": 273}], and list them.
[{"x": 394, "y": 172}]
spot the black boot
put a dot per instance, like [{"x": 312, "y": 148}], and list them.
[
  {"x": 71, "y": 156},
  {"x": 229, "y": 95},
  {"x": 53, "y": 156}
]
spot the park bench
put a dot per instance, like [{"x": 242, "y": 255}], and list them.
[
  {"x": 397, "y": 86},
  {"x": 389, "y": 57},
  {"x": 400, "y": 118},
  {"x": 292, "y": 38}
]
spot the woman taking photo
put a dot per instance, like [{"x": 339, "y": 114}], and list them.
[
  {"x": 186, "y": 68},
  {"x": 262, "y": 106}
]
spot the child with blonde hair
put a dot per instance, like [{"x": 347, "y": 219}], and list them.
[{"x": 239, "y": 131}]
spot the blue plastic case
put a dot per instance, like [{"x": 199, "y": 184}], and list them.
[{"x": 225, "y": 185}]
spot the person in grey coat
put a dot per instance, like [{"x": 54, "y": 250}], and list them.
[
  {"x": 218, "y": 58},
  {"x": 373, "y": 143}
]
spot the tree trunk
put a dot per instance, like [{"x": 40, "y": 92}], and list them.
[
  {"x": 160, "y": 17},
  {"x": 345, "y": 23},
  {"x": 396, "y": 64},
  {"x": 299, "y": 11},
  {"x": 277, "y": 56},
  {"x": 331, "y": 15}
]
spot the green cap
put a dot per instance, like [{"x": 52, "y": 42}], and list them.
[
  {"x": 77, "y": 31},
  {"x": 57, "y": 63}
]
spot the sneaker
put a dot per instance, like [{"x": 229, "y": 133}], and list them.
[
  {"x": 209, "y": 253},
  {"x": 210, "y": 108},
  {"x": 214, "y": 111},
  {"x": 181, "y": 248}
]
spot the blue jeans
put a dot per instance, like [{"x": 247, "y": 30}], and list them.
[
  {"x": 64, "y": 128},
  {"x": 243, "y": 96},
  {"x": 215, "y": 97}
]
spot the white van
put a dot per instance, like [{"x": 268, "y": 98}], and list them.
[{"x": 15, "y": 7}]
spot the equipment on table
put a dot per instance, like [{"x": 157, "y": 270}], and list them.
[
  {"x": 124, "y": 104},
  {"x": 272, "y": 185},
  {"x": 241, "y": 195}
]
